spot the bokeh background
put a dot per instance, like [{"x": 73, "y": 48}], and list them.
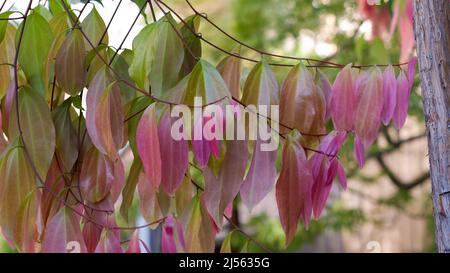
[{"x": 387, "y": 207}]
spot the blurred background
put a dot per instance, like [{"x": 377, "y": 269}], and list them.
[{"x": 387, "y": 207}]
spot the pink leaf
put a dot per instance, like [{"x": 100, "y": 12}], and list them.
[
  {"x": 411, "y": 70},
  {"x": 133, "y": 245},
  {"x": 401, "y": 110},
  {"x": 370, "y": 105},
  {"x": 62, "y": 233},
  {"x": 325, "y": 85},
  {"x": 147, "y": 142},
  {"x": 221, "y": 190},
  {"x": 172, "y": 238},
  {"x": 359, "y": 151},
  {"x": 343, "y": 101},
  {"x": 261, "y": 176},
  {"x": 201, "y": 147},
  {"x": 294, "y": 185},
  {"x": 389, "y": 95},
  {"x": 174, "y": 154}
]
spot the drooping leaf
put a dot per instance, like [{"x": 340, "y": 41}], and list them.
[
  {"x": 168, "y": 56},
  {"x": 294, "y": 185},
  {"x": 148, "y": 145},
  {"x": 192, "y": 42},
  {"x": 130, "y": 188},
  {"x": 220, "y": 191},
  {"x": 133, "y": 245},
  {"x": 104, "y": 114},
  {"x": 199, "y": 234},
  {"x": 97, "y": 176},
  {"x": 230, "y": 68},
  {"x": 70, "y": 70},
  {"x": 401, "y": 109},
  {"x": 7, "y": 49},
  {"x": 343, "y": 100},
  {"x": 172, "y": 238},
  {"x": 38, "y": 129},
  {"x": 62, "y": 233},
  {"x": 261, "y": 176},
  {"x": 389, "y": 95},
  {"x": 174, "y": 155},
  {"x": 144, "y": 54},
  {"x": 302, "y": 104},
  {"x": 149, "y": 203},
  {"x": 4, "y": 23},
  {"x": 36, "y": 42},
  {"x": 370, "y": 105},
  {"x": 325, "y": 86},
  {"x": 109, "y": 242},
  {"x": 261, "y": 86},
  {"x": 18, "y": 202},
  {"x": 66, "y": 136},
  {"x": 94, "y": 27}
]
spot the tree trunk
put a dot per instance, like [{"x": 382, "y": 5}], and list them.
[{"x": 432, "y": 31}]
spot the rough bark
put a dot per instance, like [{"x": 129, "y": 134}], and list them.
[{"x": 432, "y": 32}]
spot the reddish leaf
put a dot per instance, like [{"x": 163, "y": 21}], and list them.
[
  {"x": 221, "y": 190},
  {"x": 401, "y": 110},
  {"x": 293, "y": 190},
  {"x": 62, "y": 233},
  {"x": 261, "y": 176},
  {"x": 389, "y": 95},
  {"x": 147, "y": 142},
  {"x": 133, "y": 245},
  {"x": 174, "y": 154}
]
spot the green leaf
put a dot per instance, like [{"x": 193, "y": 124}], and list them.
[
  {"x": 140, "y": 4},
  {"x": 226, "y": 244},
  {"x": 168, "y": 56},
  {"x": 4, "y": 24},
  {"x": 199, "y": 235},
  {"x": 38, "y": 129},
  {"x": 205, "y": 82},
  {"x": 130, "y": 187},
  {"x": 192, "y": 42},
  {"x": 8, "y": 50},
  {"x": 94, "y": 27},
  {"x": 143, "y": 56},
  {"x": 66, "y": 136},
  {"x": 36, "y": 42},
  {"x": 261, "y": 86}
]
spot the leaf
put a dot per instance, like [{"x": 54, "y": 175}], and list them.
[
  {"x": 144, "y": 54},
  {"x": 294, "y": 185},
  {"x": 324, "y": 85},
  {"x": 133, "y": 245},
  {"x": 38, "y": 129},
  {"x": 302, "y": 104},
  {"x": 7, "y": 49},
  {"x": 130, "y": 188},
  {"x": 62, "y": 232},
  {"x": 172, "y": 239},
  {"x": 53, "y": 188},
  {"x": 343, "y": 100},
  {"x": 226, "y": 244},
  {"x": 220, "y": 191},
  {"x": 109, "y": 242},
  {"x": 140, "y": 4},
  {"x": 205, "y": 82},
  {"x": 230, "y": 68},
  {"x": 149, "y": 204},
  {"x": 261, "y": 176},
  {"x": 174, "y": 154},
  {"x": 134, "y": 114},
  {"x": 66, "y": 136},
  {"x": 261, "y": 86},
  {"x": 148, "y": 145},
  {"x": 192, "y": 43},
  {"x": 97, "y": 176},
  {"x": 199, "y": 234},
  {"x": 18, "y": 202},
  {"x": 168, "y": 56},
  {"x": 104, "y": 115},
  {"x": 4, "y": 23},
  {"x": 401, "y": 109},
  {"x": 389, "y": 95},
  {"x": 70, "y": 64},
  {"x": 94, "y": 27},
  {"x": 370, "y": 105},
  {"x": 36, "y": 42}
]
